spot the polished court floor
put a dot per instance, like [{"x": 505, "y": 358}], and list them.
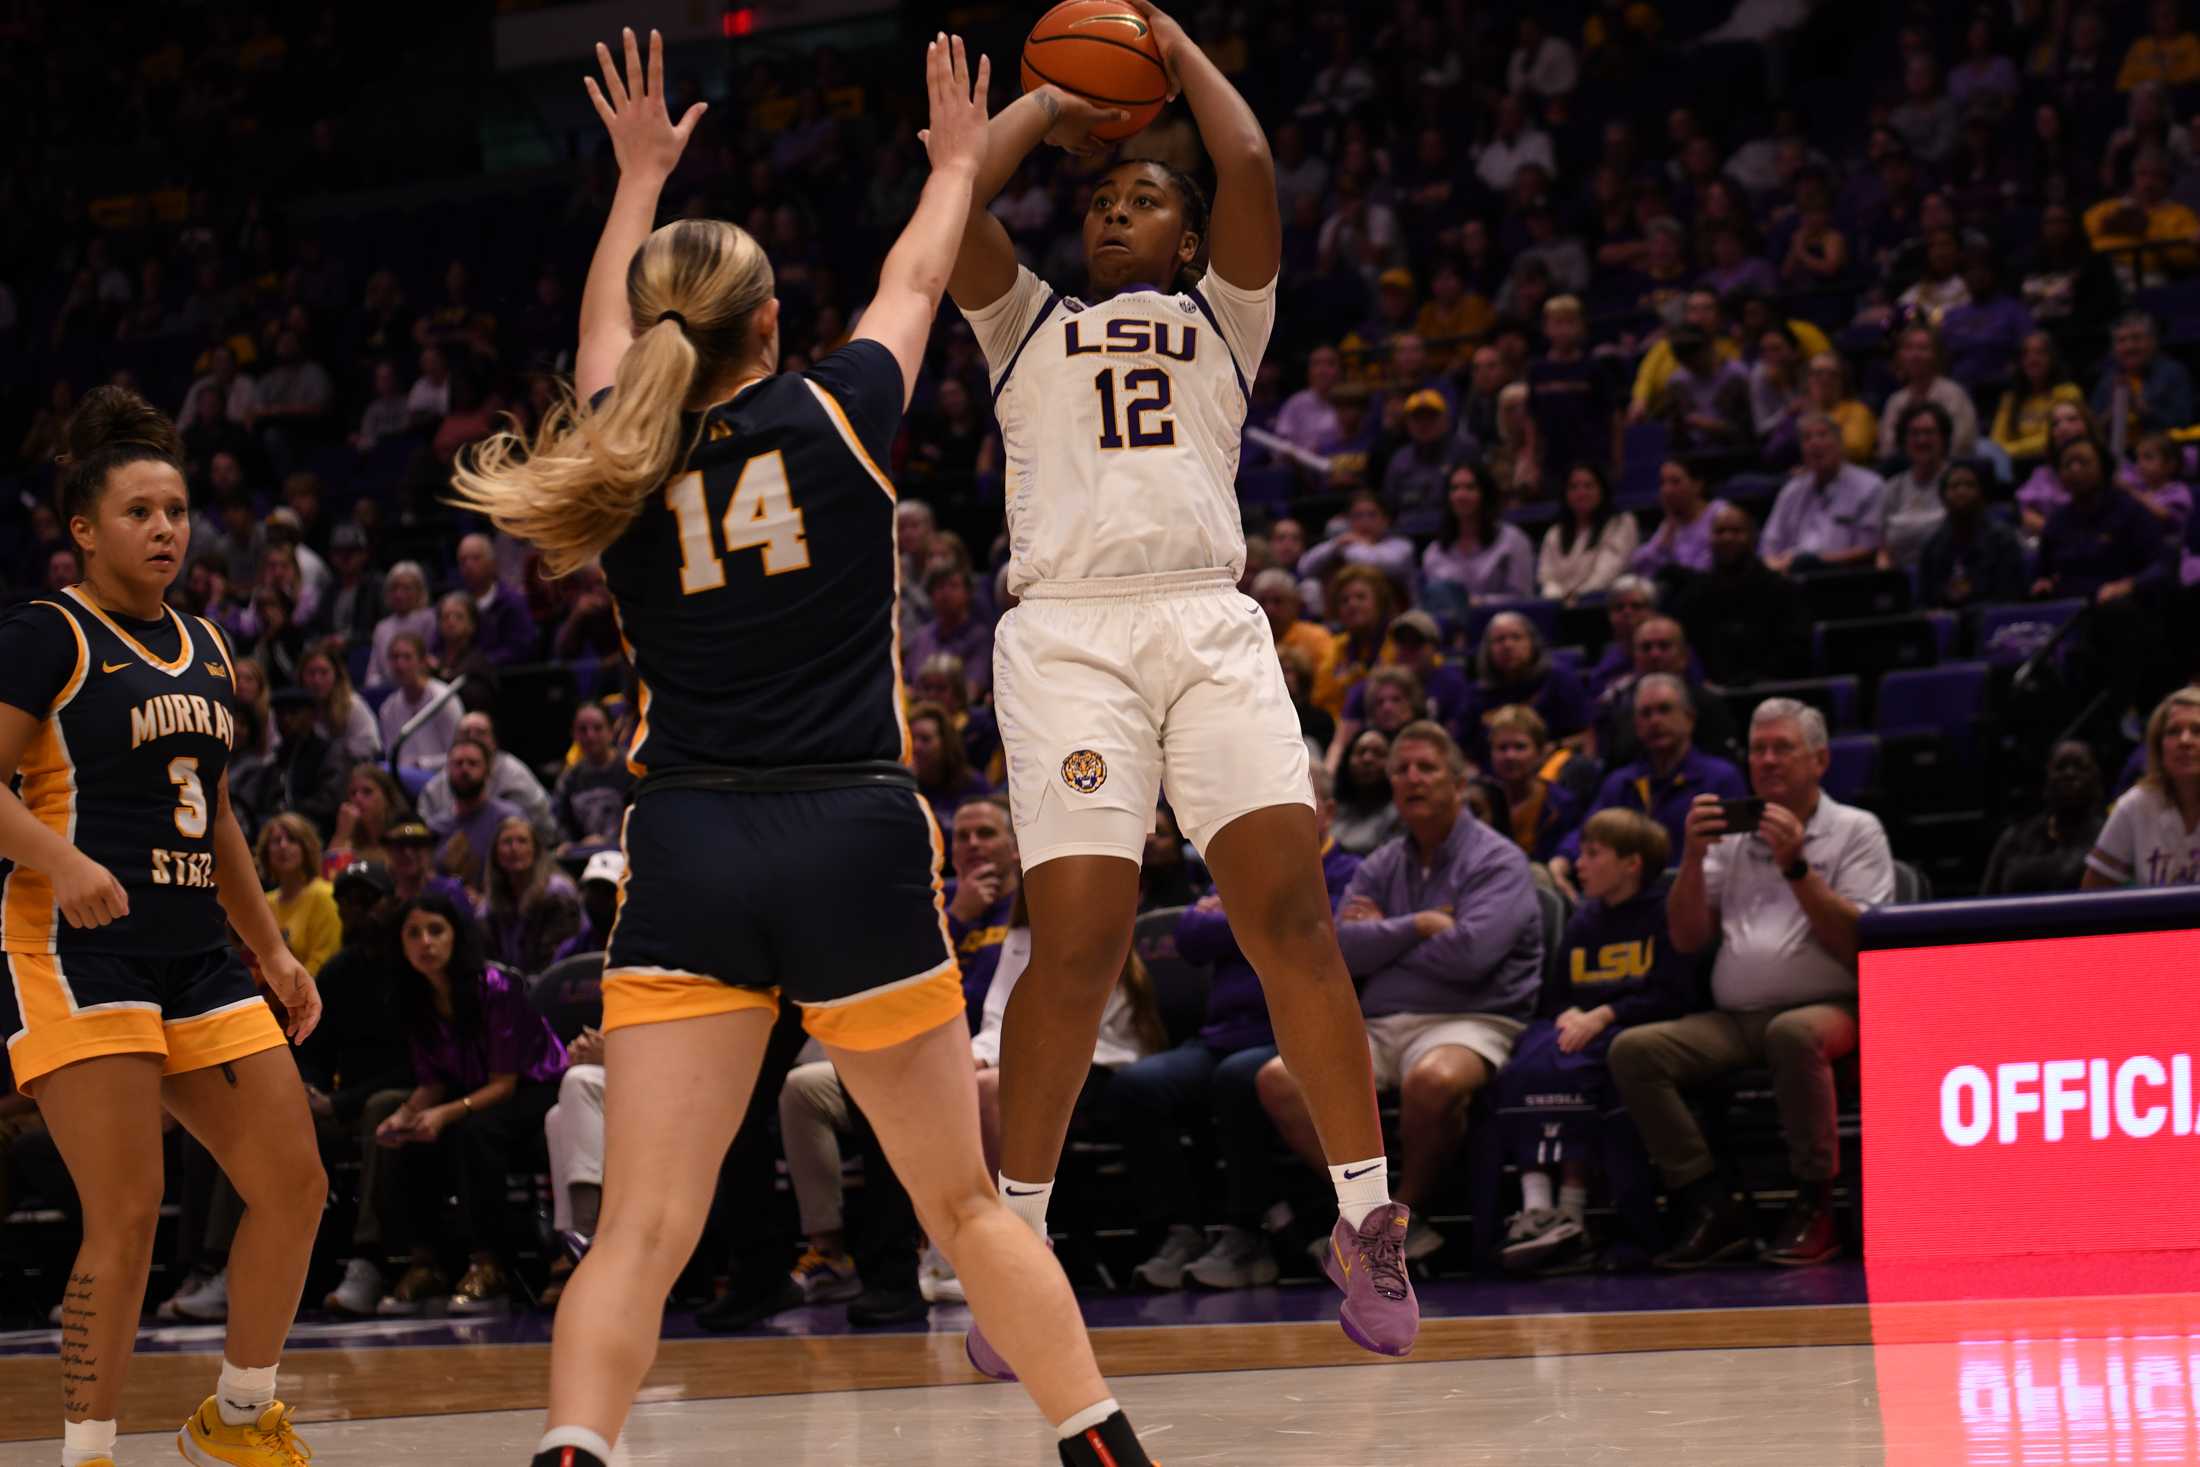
[{"x": 1647, "y": 1373}]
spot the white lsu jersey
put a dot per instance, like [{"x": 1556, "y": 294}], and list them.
[{"x": 1122, "y": 423}]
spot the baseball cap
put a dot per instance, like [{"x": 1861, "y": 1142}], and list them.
[
  {"x": 1397, "y": 277},
  {"x": 283, "y": 517},
  {"x": 408, "y": 833},
  {"x": 1420, "y": 623},
  {"x": 604, "y": 866},
  {"x": 1427, "y": 400},
  {"x": 372, "y": 873},
  {"x": 293, "y": 696}
]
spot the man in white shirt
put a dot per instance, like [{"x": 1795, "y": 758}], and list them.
[
  {"x": 1829, "y": 513},
  {"x": 509, "y": 781},
  {"x": 1917, "y": 363},
  {"x": 1515, "y": 145},
  {"x": 1542, "y": 64},
  {"x": 412, "y": 691},
  {"x": 1784, "y": 902}
]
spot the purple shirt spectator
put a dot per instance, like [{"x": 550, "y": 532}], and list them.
[
  {"x": 1446, "y": 686},
  {"x": 507, "y": 629},
  {"x": 1751, "y": 274},
  {"x": 1392, "y": 555},
  {"x": 1237, "y": 1010},
  {"x": 1559, "y": 699},
  {"x": 1811, "y": 518},
  {"x": 2043, "y": 493},
  {"x": 1491, "y": 962},
  {"x": 480, "y": 830},
  {"x": 2085, "y": 546},
  {"x": 1664, "y": 799},
  {"x": 1500, "y": 570},
  {"x": 972, "y": 642},
  {"x": 1308, "y": 421},
  {"x": 1687, "y": 547},
  {"x": 1982, "y": 339},
  {"x": 520, "y": 1042},
  {"x": 978, "y": 949}
]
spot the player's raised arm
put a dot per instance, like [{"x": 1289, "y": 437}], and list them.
[
  {"x": 648, "y": 146},
  {"x": 985, "y": 267},
  {"x": 915, "y": 273},
  {"x": 1245, "y": 247}
]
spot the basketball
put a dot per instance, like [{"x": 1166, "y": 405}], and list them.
[{"x": 1103, "y": 50}]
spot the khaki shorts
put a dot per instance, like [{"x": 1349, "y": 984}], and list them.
[{"x": 1398, "y": 1042}]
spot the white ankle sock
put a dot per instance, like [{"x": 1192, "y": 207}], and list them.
[
  {"x": 1028, "y": 1200},
  {"x": 1086, "y": 1419},
  {"x": 1574, "y": 1202},
  {"x": 241, "y": 1394},
  {"x": 1535, "y": 1192},
  {"x": 1362, "y": 1186},
  {"x": 574, "y": 1436},
  {"x": 86, "y": 1441}
]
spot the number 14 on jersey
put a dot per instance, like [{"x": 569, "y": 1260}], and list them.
[{"x": 761, "y": 513}]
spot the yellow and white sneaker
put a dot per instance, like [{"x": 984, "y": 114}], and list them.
[{"x": 268, "y": 1442}]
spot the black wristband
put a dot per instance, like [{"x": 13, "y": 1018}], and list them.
[{"x": 1798, "y": 870}]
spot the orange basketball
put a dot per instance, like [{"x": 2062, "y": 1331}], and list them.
[{"x": 1103, "y": 50}]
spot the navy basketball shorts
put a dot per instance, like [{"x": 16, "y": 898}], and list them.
[
  {"x": 831, "y": 898},
  {"x": 195, "y": 1011}
]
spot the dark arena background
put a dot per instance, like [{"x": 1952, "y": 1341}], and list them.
[{"x": 1789, "y": 402}]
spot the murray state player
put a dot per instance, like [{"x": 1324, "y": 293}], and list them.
[
  {"x": 123, "y": 998},
  {"x": 747, "y": 535},
  {"x": 1133, "y": 663}
]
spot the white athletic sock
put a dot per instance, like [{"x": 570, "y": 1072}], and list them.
[
  {"x": 574, "y": 1436},
  {"x": 1574, "y": 1202},
  {"x": 86, "y": 1441},
  {"x": 1362, "y": 1186},
  {"x": 1028, "y": 1200},
  {"x": 241, "y": 1395},
  {"x": 1087, "y": 1419},
  {"x": 1535, "y": 1192}
]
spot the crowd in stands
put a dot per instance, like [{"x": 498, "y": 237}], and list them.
[{"x": 1618, "y": 460}]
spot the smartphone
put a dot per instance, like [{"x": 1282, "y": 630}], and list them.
[{"x": 1742, "y": 817}]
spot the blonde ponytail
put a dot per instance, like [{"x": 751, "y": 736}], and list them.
[{"x": 693, "y": 288}]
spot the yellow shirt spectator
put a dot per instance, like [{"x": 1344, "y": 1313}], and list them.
[
  {"x": 2151, "y": 59},
  {"x": 1658, "y": 364},
  {"x": 2020, "y": 424},
  {"x": 2118, "y": 227},
  {"x": 311, "y": 927},
  {"x": 1859, "y": 431}
]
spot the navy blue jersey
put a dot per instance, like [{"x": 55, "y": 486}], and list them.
[
  {"x": 135, "y": 727},
  {"x": 757, "y": 591}
]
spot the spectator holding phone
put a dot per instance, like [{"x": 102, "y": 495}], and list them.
[
  {"x": 1781, "y": 879},
  {"x": 1667, "y": 779}
]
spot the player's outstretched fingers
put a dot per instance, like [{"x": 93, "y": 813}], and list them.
[{"x": 612, "y": 86}]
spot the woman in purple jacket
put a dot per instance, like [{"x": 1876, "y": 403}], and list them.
[{"x": 485, "y": 1071}]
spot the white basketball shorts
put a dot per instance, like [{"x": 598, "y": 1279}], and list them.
[{"x": 1113, "y": 693}]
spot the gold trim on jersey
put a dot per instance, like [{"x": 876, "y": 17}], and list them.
[
  {"x": 847, "y": 433},
  {"x": 29, "y": 920},
  {"x": 634, "y": 763},
  {"x": 228, "y": 669},
  {"x": 185, "y": 655}
]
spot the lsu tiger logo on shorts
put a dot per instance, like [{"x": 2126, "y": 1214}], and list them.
[{"x": 1084, "y": 771}]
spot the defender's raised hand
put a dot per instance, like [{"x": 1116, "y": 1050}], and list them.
[
  {"x": 643, "y": 136},
  {"x": 956, "y": 137}
]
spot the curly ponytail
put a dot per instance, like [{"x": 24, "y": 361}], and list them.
[
  {"x": 693, "y": 287},
  {"x": 112, "y": 427}
]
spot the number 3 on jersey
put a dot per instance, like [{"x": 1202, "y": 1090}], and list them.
[
  {"x": 762, "y": 513},
  {"x": 1145, "y": 432}
]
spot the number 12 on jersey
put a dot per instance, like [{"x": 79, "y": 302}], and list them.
[
  {"x": 762, "y": 513},
  {"x": 1147, "y": 429}
]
